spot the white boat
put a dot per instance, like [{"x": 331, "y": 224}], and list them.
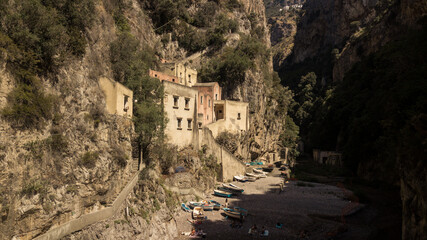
[
  {"x": 198, "y": 213},
  {"x": 251, "y": 179},
  {"x": 232, "y": 187},
  {"x": 259, "y": 171},
  {"x": 252, "y": 175},
  {"x": 241, "y": 178}
]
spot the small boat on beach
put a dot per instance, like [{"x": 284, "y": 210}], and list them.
[
  {"x": 232, "y": 187},
  {"x": 268, "y": 169},
  {"x": 251, "y": 179},
  {"x": 207, "y": 206},
  {"x": 222, "y": 193},
  {"x": 216, "y": 204},
  {"x": 253, "y": 175},
  {"x": 259, "y": 171},
  {"x": 198, "y": 213},
  {"x": 194, "y": 204},
  {"x": 185, "y": 208},
  {"x": 235, "y": 213},
  {"x": 240, "y": 178}
]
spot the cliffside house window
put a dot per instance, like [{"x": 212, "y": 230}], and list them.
[
  {"x": 179, "y": 121},
  {"x": 155, "y": 75},
  {"x": 126, "y": 103},
  {"x": 209, "y": 103},
  {"x": 238, "y": 116},
  {"x": 189, "y": 78},
  {"x": 175, "y": 101},
  {"x": 187, "y": 104},
  {"x": 173, "y": 79},
  {"x": 201, "y": 99},
  {"x": 200, "y": 124},
  {"x": 216, "y": 96},
  {"x": 207, "y": 117},
  {"x": 189, "y": 121}
]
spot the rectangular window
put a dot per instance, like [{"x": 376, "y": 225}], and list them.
[
  {"x": 238, "y": 116},
  {"x": 187, "y": 104},
  {"x": 179, "y": 121},
  {"x": 209, "y": 103},
  {"x": 201, "y": 99},
  {"x": 216, "y": 96},
  {"x": 175, "y": 101},
  {"x": 207, "y": 117},
  {"x": 126, "y": 103},
  {"x": 200, "y": 124},
  {"x": 189, "y": 78},
  {"x": 189, "y": 121}
]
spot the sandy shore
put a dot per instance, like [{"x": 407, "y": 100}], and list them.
[{"x": 298, "y": 208}]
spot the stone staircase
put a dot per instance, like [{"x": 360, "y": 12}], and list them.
[{"x": 134, "y": 169}]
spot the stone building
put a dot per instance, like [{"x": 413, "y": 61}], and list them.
[
  {"x": 327, "y": 157},
  {"x": 231, "y": 116},
  {"x": 208, "y": 93},
  {"x": 190, "y": 106},
  {"x": 180, "y": 108},
  {"x": 118, "y": 98},
  {"x": 186, "y": 75},
  {"x": 164, "y": 77}
]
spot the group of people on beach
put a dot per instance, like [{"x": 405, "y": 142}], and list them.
[{"x": 253, "y": 231}]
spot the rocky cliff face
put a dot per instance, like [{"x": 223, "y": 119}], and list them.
[
  {"x": 81, "y": 158},
  {"x": 332, "y": 37},
  {"x": 78, "y": 161}
]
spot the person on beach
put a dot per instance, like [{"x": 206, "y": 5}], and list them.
[
  {"x": 226, "y": 203},
  {"x": 253, "y": 230}
]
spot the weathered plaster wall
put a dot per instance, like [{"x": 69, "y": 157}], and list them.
[
  {"x": 165, "y": 77},
  {"x": 209, "y": 92},
  {"x": 184, "y": 135},
  {"x": 231, "y": 122},
  {"x": 187, "y": 74},
  {"x": 230, "y": 165},
  {"x": 115, "y": 97}
]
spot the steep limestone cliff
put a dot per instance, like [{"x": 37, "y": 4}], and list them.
[{"x": 347, "y": 43}]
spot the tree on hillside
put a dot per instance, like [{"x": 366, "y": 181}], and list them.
[
  {"x": 130, "y": 65},
  {"x": 304, "y": 98}
]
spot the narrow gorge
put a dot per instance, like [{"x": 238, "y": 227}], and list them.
[{"x": 113, "y": 113}]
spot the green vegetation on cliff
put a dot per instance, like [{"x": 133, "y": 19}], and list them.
[
  {"x": 36, "y": 38},
  {"x": 373, "y": 113}
]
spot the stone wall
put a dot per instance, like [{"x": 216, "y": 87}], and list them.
[
  {"x": 165, "y": 77},
  {"x": 230, "y": 165},
  {"x": 88, "y": 219}
]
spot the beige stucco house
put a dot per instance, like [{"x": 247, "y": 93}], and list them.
[
  {"x": 180, "y": 108},
  {"x": 118, "y": 98},
  {"x": 231, "y": 116},
  {"x": 186, "y": 75}
]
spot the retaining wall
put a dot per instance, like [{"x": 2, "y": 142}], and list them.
[
  {"x": 88, "y": 219},
  {"x": 230, "y": 165}
]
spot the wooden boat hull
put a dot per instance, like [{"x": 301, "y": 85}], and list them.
[
  {"x": 234, "y": 214},
  {"x": 232, "y": 187},
  {"x": 216, "y": 204},
  {"x": 185, "y": 208},
  {"x": 252, "y": 175},
  {"x": 267, "y": 169},
  {"x": 197, "y": 213},
  {"x": 208, "y": 207},
  {"x": 222, "y": 193},
  {"x": 252, "y": 179},
  {"x": 240, "y": 178}
]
